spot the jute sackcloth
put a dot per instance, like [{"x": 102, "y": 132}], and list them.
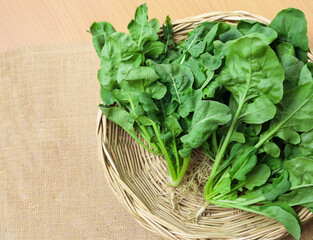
[{"x": 51, "y": 184}]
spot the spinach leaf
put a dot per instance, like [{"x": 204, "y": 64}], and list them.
[
  {"x": 207, "y": 117},
  {"x": 291, "y": 26}
]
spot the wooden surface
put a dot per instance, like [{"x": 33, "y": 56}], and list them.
[{"x": 24, "y": 23}]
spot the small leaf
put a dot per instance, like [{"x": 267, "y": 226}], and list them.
[{"x": 258, "y": 176}]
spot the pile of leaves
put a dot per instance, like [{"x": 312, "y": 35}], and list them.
[{"x": 244, "y": 94}]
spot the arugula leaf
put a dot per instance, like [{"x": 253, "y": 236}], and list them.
[
  {"x": 168, "y": 34},
  {"x": 280, "y": 185},
  {"x": 100, "y": 31},
  {"x": 177, "y": 78},
  {"x": 294, "y": 111},
  {"x": 300, "y": 172},
  {"x": 140, "y": 29}
]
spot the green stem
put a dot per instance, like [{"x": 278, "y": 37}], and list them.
[
  {"x": 182, "y": 172},
  {"x": 214, "y": 142},
  {"x": 171, "y": 169},
  {"x": 267, "y": 136},
  {"x": 176, "y": 156},
  {"x": 240, "y": 205},
  {"x": 147, "y": 148},
  {"x": 147, "y": 138},
  {"x": 222, "y": 150},
  {"x": 183, "y": 59}
]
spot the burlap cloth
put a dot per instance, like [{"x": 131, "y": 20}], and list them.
[{"x": 51, "y": 184}]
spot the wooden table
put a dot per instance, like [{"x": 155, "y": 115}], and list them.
[{"x": 24, "y": 23}]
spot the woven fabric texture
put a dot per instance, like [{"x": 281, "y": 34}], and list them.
[{"x": 51, "y": 184}]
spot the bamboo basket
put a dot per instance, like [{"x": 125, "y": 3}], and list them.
[{"x": 139, "y": 179}]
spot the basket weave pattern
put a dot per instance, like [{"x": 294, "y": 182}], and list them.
[{"x": 139, "y": 179}]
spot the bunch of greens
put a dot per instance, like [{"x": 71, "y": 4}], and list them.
[{"x": 244, "y": 94}]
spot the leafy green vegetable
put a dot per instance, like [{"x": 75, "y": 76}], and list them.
[
  {"x": 291, "y": 26},
  {"x": 244, "y": 94}
]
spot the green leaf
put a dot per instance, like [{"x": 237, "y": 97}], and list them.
[
  {"x": 156, "y": 90},
  {"x": 223, "y": 186},
  {"x": 210, "y": 89},
  {"x": 252, "y": 69},
  {"x": 258, "y": 176},
  {"x": 147, "y": 102},
  {"x": 244, "y": 164},
  {"x": 288, "y": 135},
  {"x": 100, "y": 31},
  {"x": 195, "y": 67},
  {"x": 119, "y": 55},
  {"x": 267, "y": 34},
  {"x": 121, "y": 118},
  {"x": 231, "y": 34},
  {"x": 291, "y": 26},
  {"x": 280, "y": 185},
  {"x": 173, "y": 126},
  {"x": 168, "y": 34},
  {"x": 245, "y": 25},
  {"x": 106, "y": 96},
  {"x": 154, "y": 49},
  {"x": 271, "y": 149},
  {"x": 284, "y": 48},
  {"x": 284, "y": 214},
  {"x": 300, "y": 172},
  {"x": 259, "y": 111},
  {"x": 194, "y": 45},
  {"x": 304, "y": 148},
  {"x": 176, "y": 78},
  {"x": 273, "y": 163},
  {"x": 189, "y": 102},
  {"x": 292, "y": 67},
  {"x": 140, "y": 29},
  {"x": 220, "y": 50},
  {"x": 300, "y": 196},
  {"x": 210, "y": 62},
  {"x": 145, "y": 74},
  {"x": 306, "y": 74},
  {"x": 301, "y": 55},
  {"x": 294, "y": 111},
  {"x": 207, "y": 117}
]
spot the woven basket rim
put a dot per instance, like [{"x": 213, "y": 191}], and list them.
[{"x": 121, "y": 188}]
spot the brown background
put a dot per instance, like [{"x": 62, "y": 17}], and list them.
[{"x": 51, "y": 185}]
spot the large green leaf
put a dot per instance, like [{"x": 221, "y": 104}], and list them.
[
  {"x": 291, "y": 26},
  {"x": 252, "y": 69}
]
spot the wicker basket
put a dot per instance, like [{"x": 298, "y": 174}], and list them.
[{"x": 139, "y": 179}]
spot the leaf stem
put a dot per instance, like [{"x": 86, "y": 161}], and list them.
[
  {"x": 182, "y": 172},
  {"x": 220, "y": 154},
  {"x": 176, "y": 156},
  {"x": 214, "y": 142},
  {"x": 171, "y": 169}
]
